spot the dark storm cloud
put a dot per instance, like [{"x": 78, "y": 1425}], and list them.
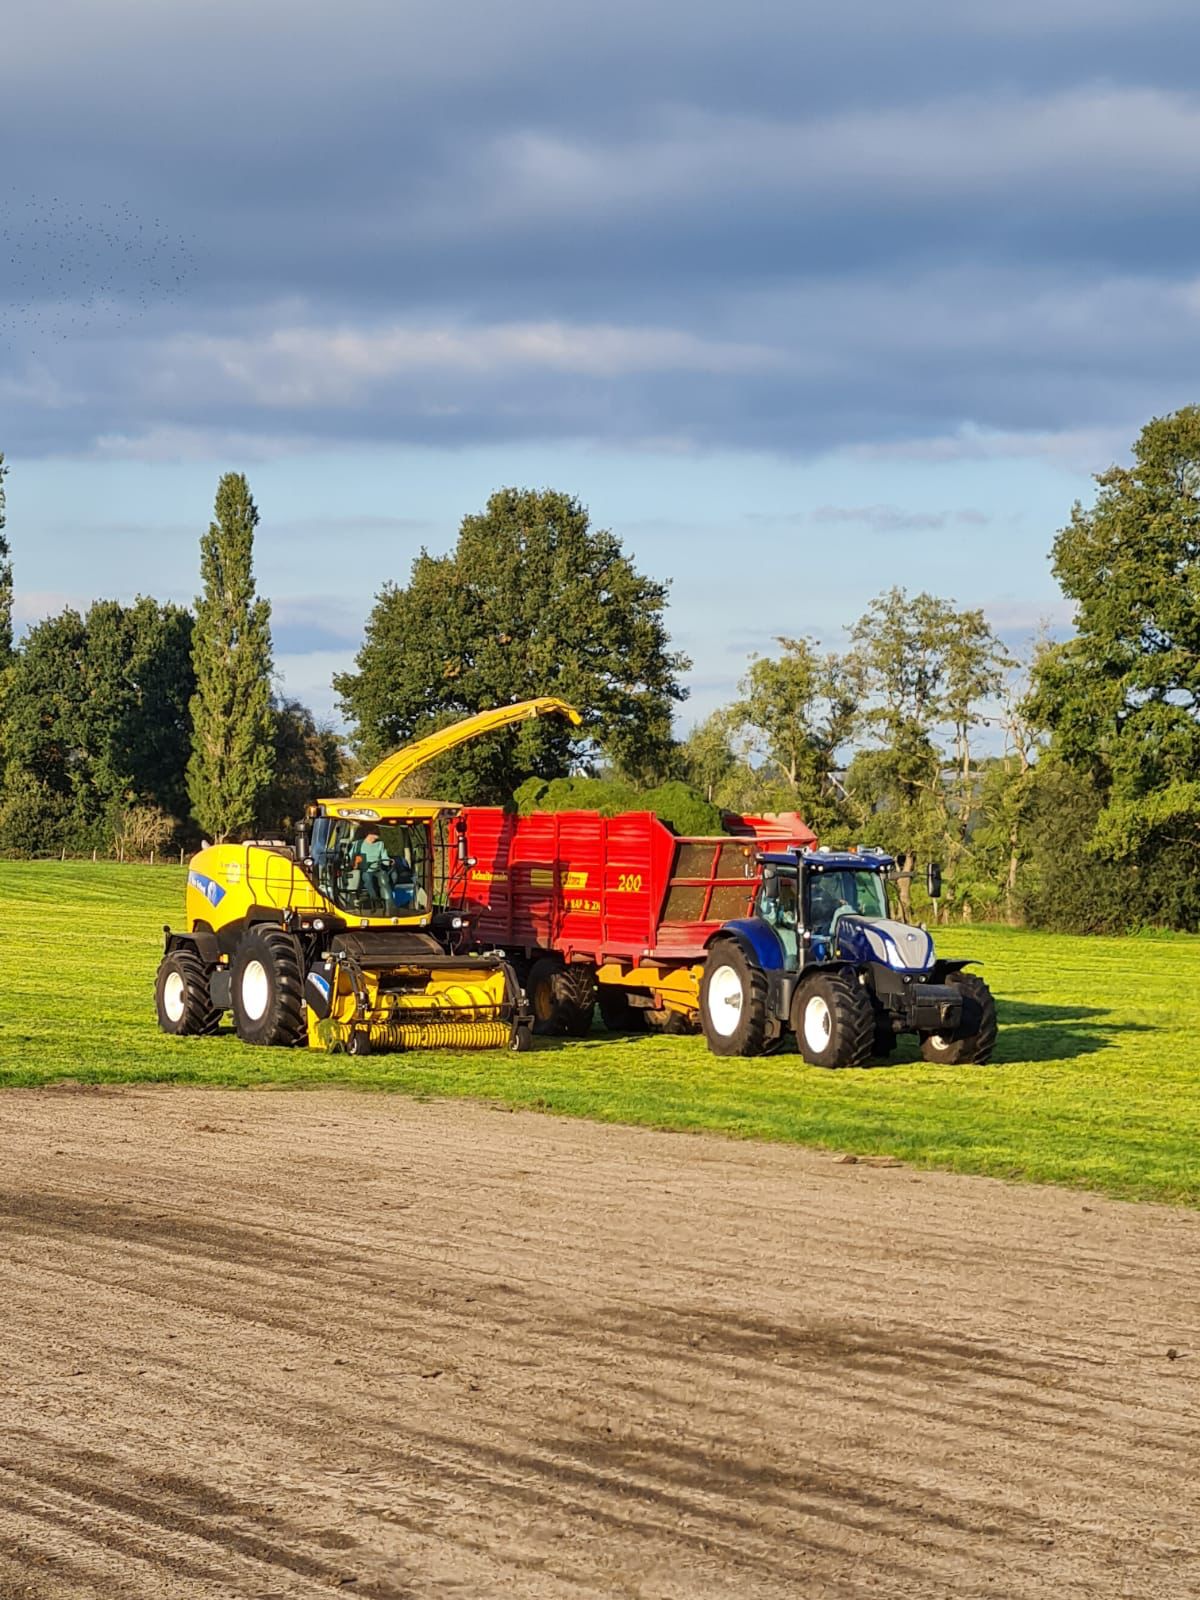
[{"x": 918, "y": 228}]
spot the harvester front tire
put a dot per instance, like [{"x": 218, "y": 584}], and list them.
[
  {"x": 563, "y": 997},
  {"x": 733, "y": 1002},
  {"x": 268, "y": 988},
  {"x": 975, "y": 1038},
  {"x": 834, "y": 1021},
  {"x": 181, "y": 995}
]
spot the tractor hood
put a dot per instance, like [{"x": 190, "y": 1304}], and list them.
[{"x": 895, "y": 944}]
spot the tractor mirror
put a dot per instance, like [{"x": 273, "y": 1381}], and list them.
[{"x": 933, "y": 880}]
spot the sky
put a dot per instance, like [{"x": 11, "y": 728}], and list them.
[{"x": 802, "y": 301}]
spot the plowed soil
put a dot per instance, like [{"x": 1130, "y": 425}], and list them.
[{"x": 283, "y": 1344}]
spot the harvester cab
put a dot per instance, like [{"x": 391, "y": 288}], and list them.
[
  {"x": 822, "y": 958},
  {"x": 339, "y": 942}
]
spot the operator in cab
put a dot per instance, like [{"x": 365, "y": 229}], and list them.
[{"x": 371, "y": 859}]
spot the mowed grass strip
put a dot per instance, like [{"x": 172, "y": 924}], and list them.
[{"x": 1095, "y": 1082}]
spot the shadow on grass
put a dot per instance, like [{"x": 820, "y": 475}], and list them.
[{"x": 1030, "y": 1032}]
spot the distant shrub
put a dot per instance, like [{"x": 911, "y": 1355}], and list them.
[{"x": 142, "y": 830}]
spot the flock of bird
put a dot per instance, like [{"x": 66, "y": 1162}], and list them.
[{"x": 70, "y": 267}]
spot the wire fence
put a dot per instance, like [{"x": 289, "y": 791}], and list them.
[{"x": 118, "y": 857}]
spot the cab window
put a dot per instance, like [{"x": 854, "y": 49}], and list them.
[{"x": 372, "y": 869}]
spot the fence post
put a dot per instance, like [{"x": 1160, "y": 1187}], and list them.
[
  {"x": 152, "y": 858},
  {"x": 181, "y": 855},
  {"x": 93, "y": 852},
  {"x": 63, "y": 857}
]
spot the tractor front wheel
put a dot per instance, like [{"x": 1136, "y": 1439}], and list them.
[
  {"x": 973, "y": 1041},
  {"x": 834, "y": 1021},
  {"x": 733, "y": 1002},
  {"x": 562, "y": 997},
  {"x": 268, "y": 988},
  {"x": 181, "y": 995}
]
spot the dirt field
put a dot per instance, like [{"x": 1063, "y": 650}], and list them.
[{"x": 284, "y": 1344}]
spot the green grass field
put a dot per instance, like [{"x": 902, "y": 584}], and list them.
[{"x": 1096, "y": 1080}]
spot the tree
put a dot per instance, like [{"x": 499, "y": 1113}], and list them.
[
  {"x": 6, "y": 579},
  {"x": 135, "y": 720},
  {"x": 707, "y": 756},
  {"x": 927, "y": 670},
  {"x": 308, "y": 762},
  {"x": 532, "y": 600},
  {"x": 233, "y": 751},
  {"x": 799, "y": 708},
  {"x": 96, "y": 713},
  {"x": 1122, "y": 697}
]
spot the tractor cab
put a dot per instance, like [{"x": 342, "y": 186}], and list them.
[{"x": 825, "y": 904}]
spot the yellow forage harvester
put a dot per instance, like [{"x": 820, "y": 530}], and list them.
[{"x": 339, "y": 942}]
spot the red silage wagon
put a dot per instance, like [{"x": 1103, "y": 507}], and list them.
[{"x": 618, "y": 909}]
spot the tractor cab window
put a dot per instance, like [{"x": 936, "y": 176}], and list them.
[
  {"x": 779, "y": 904},
  {"x": 835, "y": 893},
  {"x": 367, "y": 869}
]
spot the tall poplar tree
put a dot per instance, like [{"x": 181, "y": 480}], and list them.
[
  {"x": 6, "y": 580},
  {"x": 233, "y": 761}
]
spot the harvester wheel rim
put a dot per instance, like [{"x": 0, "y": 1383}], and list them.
[
  {"x": 256, "y": 990},
  {"x": 725, "y": 1000},
  {"x": 174, "y": 996},
  {"x": 818, "y": 1024}
]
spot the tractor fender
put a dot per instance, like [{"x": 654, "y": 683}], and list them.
[
  {"x": 203, "y": 942},
  {"x": 757, "y": 939},
  {"x": 941, "y": 969}
]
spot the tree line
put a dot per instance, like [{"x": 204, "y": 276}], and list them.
[
  {"x": 1061, "y": 789},
  {"x": 135, "y": 728}
]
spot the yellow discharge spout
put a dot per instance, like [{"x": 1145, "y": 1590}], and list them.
[{"x": 382, "y": 782}]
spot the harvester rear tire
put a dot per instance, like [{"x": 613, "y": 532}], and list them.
[
  {"x": 563, "y": 997},
  {"x": 834, "y": 1021},
  {"x": 733, "y": 1002},
  {"x": 974, "y": 1040},
  {"x": 181, "y": 995},
  {"x": 268, "y": 988}
]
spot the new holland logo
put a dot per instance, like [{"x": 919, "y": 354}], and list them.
[{"x": 211, "y": 891}]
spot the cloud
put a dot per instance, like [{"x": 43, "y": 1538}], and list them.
[
  {"x": 932, "y": 230},
  {"x": 891, "y": 519},
  {"x": 306, "y": 367}
]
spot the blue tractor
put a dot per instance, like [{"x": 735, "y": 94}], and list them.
[{"x": 822, "y": 959}]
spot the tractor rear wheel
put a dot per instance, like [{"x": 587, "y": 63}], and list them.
[
  {"x": 181, "y": 995},
  {"x": 563, "y": 997},
  {"x": 733, "y": 1002},
  {"x": 834, "y": 1021},
  {"x": 973, "y": 1041},
  {"x": 268, "y": 988}
]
